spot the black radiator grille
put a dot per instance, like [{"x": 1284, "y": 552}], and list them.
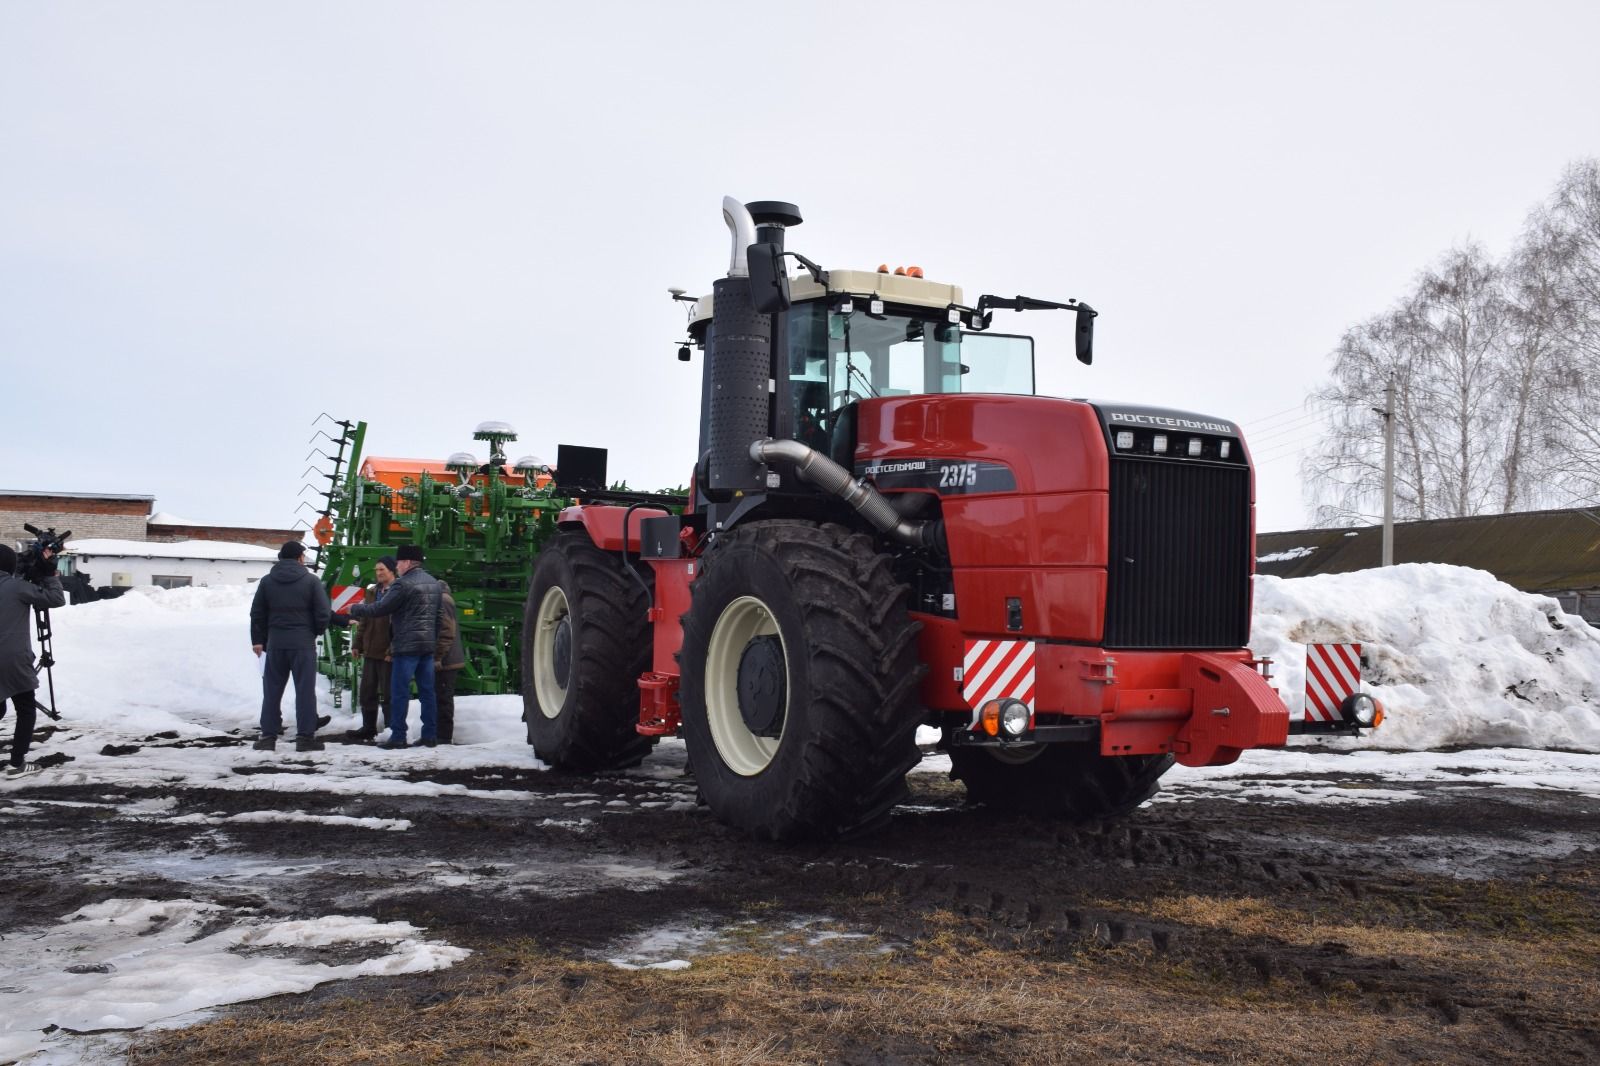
[{"x": 1178, "y": 574}]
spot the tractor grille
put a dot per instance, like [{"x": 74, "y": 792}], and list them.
[{"x": 1178, "y": 574}]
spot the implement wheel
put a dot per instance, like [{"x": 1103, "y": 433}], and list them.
[
  {"x": 1058, "y": 780},
  {"x": 585, "y": 641},
  {"x": 800, "y": 681}
]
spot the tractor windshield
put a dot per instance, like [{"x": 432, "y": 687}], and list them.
[{"x": 837, "y": 358}]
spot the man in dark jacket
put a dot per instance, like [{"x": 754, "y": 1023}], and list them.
[
  {"x": 290, "y": 611},
  {"x": 449, "y": 659},
  {"x": 18, "y": 677},
  {"x": 370, "y": 646},
  {"x": 412, "y": 605}
]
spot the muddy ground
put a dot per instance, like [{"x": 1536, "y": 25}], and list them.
[{"x": 1460, "y": 926}]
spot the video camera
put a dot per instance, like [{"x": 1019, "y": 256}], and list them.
[{"x": 31, "y": 563}]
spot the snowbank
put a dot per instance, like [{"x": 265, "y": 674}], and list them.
[
  {"x": 1457, "y": 657},
  {"x": 159, "y": 659}
]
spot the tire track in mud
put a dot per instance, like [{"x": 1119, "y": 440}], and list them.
[
  {"x": 1057, "y": 898},
  {"x": 1043, "y": 889}
]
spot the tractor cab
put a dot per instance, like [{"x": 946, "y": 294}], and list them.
[{"x": 867, "y": 335}]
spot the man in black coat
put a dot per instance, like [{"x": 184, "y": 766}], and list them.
[
  {"x": 19, "y": 595},
  {"x": 290, "y": 611},
  {"x": 412, "y": 604}
]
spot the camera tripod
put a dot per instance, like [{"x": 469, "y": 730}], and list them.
[{"x": 41, "y": 617}]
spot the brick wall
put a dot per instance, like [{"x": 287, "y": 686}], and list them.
[
  {"x": 116, "y": 519},
  {"x": 266, "y": 538}
]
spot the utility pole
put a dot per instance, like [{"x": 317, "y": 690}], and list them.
[{"x": 1388, "y": 473}]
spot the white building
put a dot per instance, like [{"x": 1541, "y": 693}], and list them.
[{"x": 124, "y": 563}]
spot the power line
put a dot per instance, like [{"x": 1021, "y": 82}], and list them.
[
  {"x": 1279, "y": 423},
  {"x": 1275, "y": 414},
  {"x": 1287, "y": 430}
]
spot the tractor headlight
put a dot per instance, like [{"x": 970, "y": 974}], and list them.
[
  {"x": 1014, "y": 718},
  {"x": 1006, "y": 718},
  {"x": 1361, "y": 709}
]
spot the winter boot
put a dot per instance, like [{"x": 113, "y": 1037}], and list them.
[
  {"x": 266, "y": 744},
  {"x": 307, "y": 744}
]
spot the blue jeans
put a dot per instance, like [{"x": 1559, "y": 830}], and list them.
[{"x": 407, "y": 667}]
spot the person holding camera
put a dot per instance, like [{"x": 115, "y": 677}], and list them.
[
  {"x": 289, "y": 612},
  {"x": 38, "y": 588}
]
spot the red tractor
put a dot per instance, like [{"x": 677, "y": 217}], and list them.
[{"x": 887, "y": 528}]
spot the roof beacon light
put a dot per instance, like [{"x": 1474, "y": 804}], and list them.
[
  {"x": 1158, "y": 444},
  {"x": 913, "y": 272}
]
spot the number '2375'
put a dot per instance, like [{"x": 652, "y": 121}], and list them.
[{"x": 958, "y": 475}]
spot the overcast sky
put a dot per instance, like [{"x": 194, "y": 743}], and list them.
[{"x": 219, "y": 220}]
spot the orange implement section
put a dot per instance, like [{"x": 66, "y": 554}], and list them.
[{"x": 393, "y": 472}]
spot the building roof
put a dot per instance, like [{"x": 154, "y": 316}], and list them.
[
  {"x": 104, "y": 547},
  {"x": 1537, "y": 551},
  {"x": 77, "y": 495}
]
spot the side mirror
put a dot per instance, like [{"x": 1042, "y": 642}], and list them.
[
  {"x": 1085, "y": 334},
  {"x": 769, "y": 284}
]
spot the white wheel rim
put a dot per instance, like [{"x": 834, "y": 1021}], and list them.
[
  {"x": 741, "y": 621},
  {"x": 552, "y": 694}
]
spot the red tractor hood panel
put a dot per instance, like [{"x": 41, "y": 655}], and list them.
[
  {"x": 1023, "y": 482},
  {"x": 1049, "y": 445}
]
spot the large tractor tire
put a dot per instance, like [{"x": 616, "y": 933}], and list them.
[
  {"x": 1057, "y": 780},
  {"x": 800, "y": 680},
  {"x": 585, "y": 641}
]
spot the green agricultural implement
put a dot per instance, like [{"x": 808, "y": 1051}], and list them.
[{"x": 481, "y": 526}]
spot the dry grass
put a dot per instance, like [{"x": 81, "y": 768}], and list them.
[{"x": 953, "y": 997}]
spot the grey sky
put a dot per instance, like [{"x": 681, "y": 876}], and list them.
[{"x": 218, "y": 220}]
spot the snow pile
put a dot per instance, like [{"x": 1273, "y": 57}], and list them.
[
  {"x": 159, "y": 659},
  {"x": 1457, "y": 657},
  {"x": 126, "y": 963}
]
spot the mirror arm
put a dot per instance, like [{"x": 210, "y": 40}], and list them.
[
  {"x": 1029, "y": 303},
  {"x": 818, "y": 275}
]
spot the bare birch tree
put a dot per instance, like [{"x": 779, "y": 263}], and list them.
[
  {"x": 1497, "y": 378},
  {"x": 1567, "y": 233}
]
